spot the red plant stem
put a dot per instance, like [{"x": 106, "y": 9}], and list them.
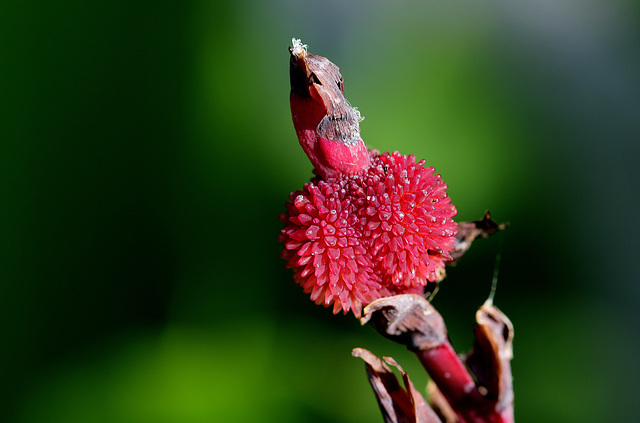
[{"x": 456, "y": 384}]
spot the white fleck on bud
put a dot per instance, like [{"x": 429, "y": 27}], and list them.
[{"x": 298, "y": 49}]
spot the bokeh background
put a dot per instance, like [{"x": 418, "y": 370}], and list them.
[{"x": 146, "y": 150}]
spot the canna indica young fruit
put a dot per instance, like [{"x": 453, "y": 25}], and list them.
[{"x": 368, "y": 225}]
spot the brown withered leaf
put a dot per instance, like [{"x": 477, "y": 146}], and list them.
[
  {"x": 469, "y": 231},
  {"x": 398, "y": 404},
  {"x": 490, "y": 358},
  {"x": 408, "y": 319}
]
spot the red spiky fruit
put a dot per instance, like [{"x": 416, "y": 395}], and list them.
[{"x": 369, "y": 225}]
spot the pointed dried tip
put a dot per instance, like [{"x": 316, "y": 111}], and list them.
[
  {"x": 499, "y": 325},
  {"x": 469, "y": 231},
  {"x": 490, "y": 358}
]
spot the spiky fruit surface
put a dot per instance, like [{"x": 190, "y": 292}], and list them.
[{"x": 352, "y": 239}]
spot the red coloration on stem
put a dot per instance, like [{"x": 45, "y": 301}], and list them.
[
  {"x": 456, "y": 384},
  {"x": 449, "y": 373}
]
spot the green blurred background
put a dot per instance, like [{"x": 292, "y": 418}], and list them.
[{"x": 146, "y": 150}]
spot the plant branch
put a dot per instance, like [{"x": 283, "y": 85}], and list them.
[{"x": 412, "y": 321}]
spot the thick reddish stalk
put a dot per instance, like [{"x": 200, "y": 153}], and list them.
[
  {"x": 456, "y": 384},
  {"x": 450, "y": 375}
]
